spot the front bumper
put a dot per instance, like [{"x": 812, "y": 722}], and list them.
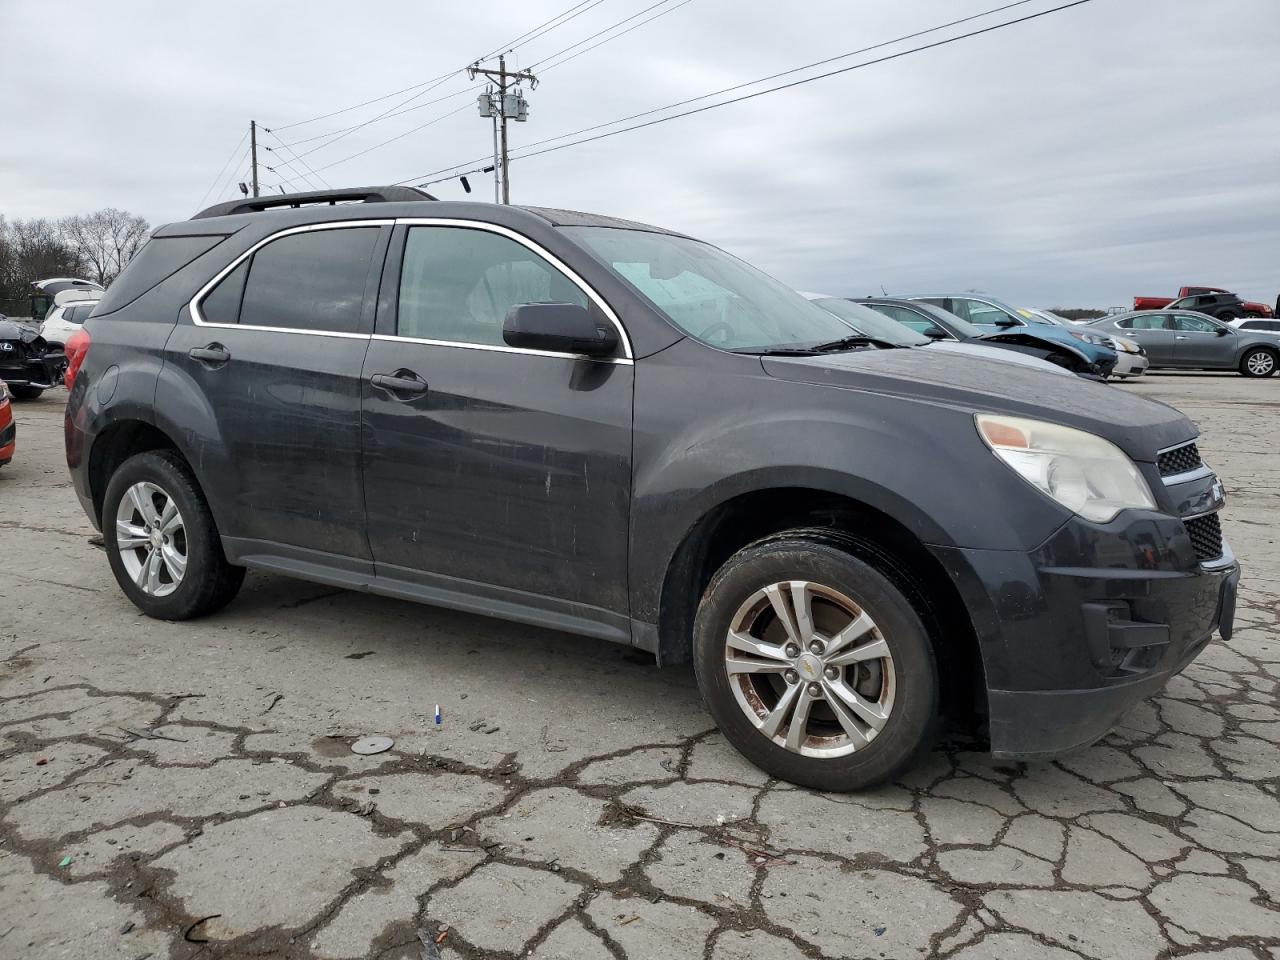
[
  {"x": 1130, "y": 365},
  {"x": 45, "y": 371},
  {"x": 1095, "y": 620}
]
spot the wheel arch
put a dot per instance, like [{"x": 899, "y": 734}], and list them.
[
  {"x": 866, "y": 530},
  {"x": 115, "y": 444}
]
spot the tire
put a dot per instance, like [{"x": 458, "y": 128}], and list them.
[
  {"x": 1226, "y": 316},
  {"x": 205, "y": 582},
  {"x": 1258, "y": 362},
  {"x": 840, "y": 587},
  {"x": 26, "y": 392}
]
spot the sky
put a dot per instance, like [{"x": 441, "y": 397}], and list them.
[{"x": 1120, "y": 147}]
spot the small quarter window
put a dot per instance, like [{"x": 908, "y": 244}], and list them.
[{"x": 222, "y": 305}]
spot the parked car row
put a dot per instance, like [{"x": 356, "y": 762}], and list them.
[
  {"x": 1214, "y": 301},
  {"x": 610, "y": 429}
]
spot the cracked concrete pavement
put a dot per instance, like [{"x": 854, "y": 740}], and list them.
[{"x": 184, "y": 790}]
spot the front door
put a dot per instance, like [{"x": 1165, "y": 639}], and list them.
[
  {"x": 1201, "y": 342},
  {"x": 275, "y": 349},
  {"x": 496, "y": 478}
]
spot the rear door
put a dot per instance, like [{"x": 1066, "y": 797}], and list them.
[
  {"x": 1201, "y": 342},
  {"x": 496, "y": 478},
  {"x": 275, "y": 349},
  {"x": 1154, "y": 330}
]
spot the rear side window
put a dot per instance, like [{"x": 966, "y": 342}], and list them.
[
  {"x": 78, "y": 314},
  {"x": 309, "y": 281},
  {"x": 158, "y": 260}
]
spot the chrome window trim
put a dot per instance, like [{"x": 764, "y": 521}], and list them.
[
  {"x": 545, "y": 254},
  {"x": 500, "y": 348},
  {"x": 194, "y": 305}
]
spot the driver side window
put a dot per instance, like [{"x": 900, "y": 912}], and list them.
[
  {"x": 1195, "y": 324},
  {"x": 457, "y": 284}
]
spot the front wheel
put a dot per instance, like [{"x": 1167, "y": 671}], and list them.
[
  {"x": 26, "y": 392},
  {"x": 814, "y": 664},
  {"x": 1258, "y": 362},
  {"x": 161, "y": 540}
]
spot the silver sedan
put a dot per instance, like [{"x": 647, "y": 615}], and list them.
[{"x": 1183, "y": 340}]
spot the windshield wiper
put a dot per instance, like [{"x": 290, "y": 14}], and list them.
[
  {"x": 857, "y": 340},
  {"x": 777, "y": 351}
]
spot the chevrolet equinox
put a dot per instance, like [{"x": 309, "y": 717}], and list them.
[{"x": 611, "y": 429}]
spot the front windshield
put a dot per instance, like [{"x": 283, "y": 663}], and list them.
[
  {"x": 710, "y": 295},
  {"x": 865, "y": 320}
]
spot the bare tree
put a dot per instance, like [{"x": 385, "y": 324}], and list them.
[
  {"x": 30, "y": 250},
  {"x": 105, "y": 240}
]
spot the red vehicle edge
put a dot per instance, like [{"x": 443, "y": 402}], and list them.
[
  {"x": 1251, "y": 308},
  {"x": 8, "y": 430}
]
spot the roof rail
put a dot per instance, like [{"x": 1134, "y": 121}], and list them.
[{"x": 331, "y": 197}]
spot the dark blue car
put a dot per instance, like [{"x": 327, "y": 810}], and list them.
[{"x": 992, "y": 316}]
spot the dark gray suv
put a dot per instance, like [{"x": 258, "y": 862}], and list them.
[{"x": 614, "y": 430}]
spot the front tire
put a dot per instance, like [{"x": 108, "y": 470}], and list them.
[
  {"x": 1258, "y": 362},
  {"x": 161, "y": 540},
  {"x": 814, "y": 664},
  {"x": 26, "y": 392}
]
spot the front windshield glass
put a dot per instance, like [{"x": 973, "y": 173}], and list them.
[
  {"x": 865, "y": 320},
  {"x": 710, "y": 295}
]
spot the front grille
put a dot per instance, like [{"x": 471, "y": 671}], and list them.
[
  {"x": 1179, "y": 460},
  {"x": 1206, "y": 536}
]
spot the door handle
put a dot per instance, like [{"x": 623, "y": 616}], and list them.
[
  {"x": 1181, "y": 338},
  {"x": 400, "y": 382},
  {"x": 215, "y": 354}
]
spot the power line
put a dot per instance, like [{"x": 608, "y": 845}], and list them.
[
  {"x": 302, "y": 164},
  {"x": 820, "y": 76},
  {"x": 420, "y": 106},
  {"x": 604, "y": 31},
  {"x": 399, "y": 136},
  {"x": 509, "y": 45},
  {"x": 587, "y": 5},
  {"x": 784, "y": 73},
  {"x": 785, "y": 86},
  {"x": 235, "y": 152}
]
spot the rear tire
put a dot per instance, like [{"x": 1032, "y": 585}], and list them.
[
  {"x": 161, "y": 541},
  {"x": 1258, "y": 362},
  {"x": 811, "y": 719},
  {"x": 26, "y": 392}
]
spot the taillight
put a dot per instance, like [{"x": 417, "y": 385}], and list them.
[{"x": 77, "y": 348}]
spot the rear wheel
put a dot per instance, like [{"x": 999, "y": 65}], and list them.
[
  {"x": 814, "y": 664},
  {"x": 1258, "y": 362},
  {"x": 161, "y": 540},
  {"x": 26, "y": 392}
]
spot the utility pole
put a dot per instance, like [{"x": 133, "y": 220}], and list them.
[
  {"x": 253, "y": 149},
  {"x": 502, "y": 106}
]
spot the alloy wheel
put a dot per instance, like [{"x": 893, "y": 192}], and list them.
[
  {"x": 810, "y": 669},
  {"x": 1261, "y": 363},
  {"x": 152, "y": 539}
]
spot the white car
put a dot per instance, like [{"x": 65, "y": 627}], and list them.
[
  {"x": 70, "y": 309},
  {"x": 1131, "y": 359},
  {"x": 1257, "y": 325}
]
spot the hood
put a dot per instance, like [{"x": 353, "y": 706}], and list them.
[
  {"x": 977, "y": 350},
  {"x": 11, "y": 329},
  {"x": 1138, "y": 426}
]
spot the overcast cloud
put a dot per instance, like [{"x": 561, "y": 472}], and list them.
[{"x": 1122, "y": 147}]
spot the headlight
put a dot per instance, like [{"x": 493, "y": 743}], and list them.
[
  {"x": 1085, "y": 473},
  {"x": 4, "y": 391},
  {"x": 1090, "y": 338}
]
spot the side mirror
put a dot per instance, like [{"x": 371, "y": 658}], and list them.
[
  {"x": 933, "y": 333},
  {"x": 558, "y": 328},
  {"x": 1223, "y": 331},
  {"x": 1007, "y": 322}
]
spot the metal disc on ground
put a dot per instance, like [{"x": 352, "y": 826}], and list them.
[{"x": 367, "y": 745}]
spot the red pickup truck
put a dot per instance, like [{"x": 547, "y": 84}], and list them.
[{"x": 1250, "y": 308}]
